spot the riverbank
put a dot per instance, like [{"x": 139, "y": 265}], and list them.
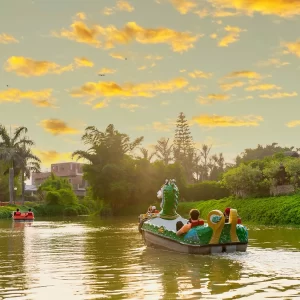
[{"x": 284, "y": 210}]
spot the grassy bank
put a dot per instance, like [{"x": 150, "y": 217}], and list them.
[{"x": 283, "y": 210}]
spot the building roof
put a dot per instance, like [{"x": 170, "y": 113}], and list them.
[{"x": 30, "y": 188}]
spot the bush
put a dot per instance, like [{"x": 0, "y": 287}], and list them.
[
  {"x": 68, "y": 197},
  {"x": 70, "y": 211},
  {"x": 82, "y": 210},
  {"x": 31, "y": 198},
  {"x": 205, "y": 191},
  {"x": 53, "y": 198}
]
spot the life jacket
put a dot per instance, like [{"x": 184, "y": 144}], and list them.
[
  {"x": 18, "y": 213},
  {"x": 239, "y": 221},
  {"x": 197, "y": 223},
  {"x": 29, "y": 214}
]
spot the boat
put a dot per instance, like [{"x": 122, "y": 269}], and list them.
[
  {"x": 23, "y": 216},
  {"x": 214, "y": 236}
]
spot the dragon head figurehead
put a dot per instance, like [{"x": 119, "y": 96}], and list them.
[{"x": 170, "y": 196}]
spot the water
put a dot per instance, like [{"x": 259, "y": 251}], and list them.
[{"x": 87, "y": 258}]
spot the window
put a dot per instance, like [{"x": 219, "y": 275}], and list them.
[{"x": 70, "y": 180}]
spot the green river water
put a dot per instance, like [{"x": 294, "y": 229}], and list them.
[{"x": 85, "y": 258}]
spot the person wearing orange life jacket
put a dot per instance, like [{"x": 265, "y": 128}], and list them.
[
  {"x": 193, "y": 222},
  {"x": 227, "y": 213},
  {"x": 17, "y": 213}
]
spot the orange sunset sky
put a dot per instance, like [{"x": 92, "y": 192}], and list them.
[{"x": 232, "y": 66}]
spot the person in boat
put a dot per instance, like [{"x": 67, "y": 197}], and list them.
[
  {"x": 17, "y": 213},
  {"x": 29, "y": 213},
  {"x": 193, "y": 222}
]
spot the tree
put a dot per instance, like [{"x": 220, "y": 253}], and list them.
[
  {"x": 27, "y": 164},
  {"x": 164, "y": 150},
  {"x": 145, "y": 154},
  {"x": 10, "y": 152},
  {"x": 183, "y": 146}
]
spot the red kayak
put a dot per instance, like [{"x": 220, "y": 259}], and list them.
[{"x": 24, "y": 216}]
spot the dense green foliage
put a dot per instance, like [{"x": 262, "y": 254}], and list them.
[{"x": 266, "y": 211}]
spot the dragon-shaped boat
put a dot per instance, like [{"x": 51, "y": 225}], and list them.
[{"x": 215, "y": 236}]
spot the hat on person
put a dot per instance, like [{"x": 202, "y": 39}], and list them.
[
  {"x": 153, "y": 207},
  {"x": 227, "y": 210}
]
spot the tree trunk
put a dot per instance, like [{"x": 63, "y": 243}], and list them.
[
  {"x": 11, "y": 185},
  {"x": 23, "y": 187}
]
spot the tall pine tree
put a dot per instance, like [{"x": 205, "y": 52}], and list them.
[{"x": 183, "y": 146}]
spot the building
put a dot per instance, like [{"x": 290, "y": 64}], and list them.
[{"x": 72, "y": 171}]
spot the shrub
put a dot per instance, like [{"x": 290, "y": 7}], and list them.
[
  {"x": 53, "y": 198},
  {"x": 68, "y": 197},
  {"x": 70, "y": 211},
  {"x": 205, "y": 191}
]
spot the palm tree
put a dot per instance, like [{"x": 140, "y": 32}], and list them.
[
  {"x": 10, "y": 152},
  {"x": 28, "y": 163},
  {"x": 164, "y": 150}
]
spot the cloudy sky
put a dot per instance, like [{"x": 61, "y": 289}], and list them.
[{"x": 232, "y": 66}]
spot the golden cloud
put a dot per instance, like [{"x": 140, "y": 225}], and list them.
[
  {"x": 159, "y": 126},
  {"x": 200, "y": 74},
  {"x": 278, "y": 95},
  {"x": 273, "y": 62},
  {"x": 227, "y": 121},
  {"x": 81, "y": 16},
  {"x": 244, "y": 74},
  {"x": 49, "y": 157},
  {"x": 194, "y": 88},
  {"x": 293, "y": 123},
  {"x": 109, "y": 37},
  {"x": 141, "y": 68},
  {"x": 7, "y": 39},
  {"x": 293, "y": 48},
  {"x": 83, "y": 62},
  {"x": 224, "y": 13},
  {"x": 56, "y": 127},
  {"x": 282, "y": 8},
  {"x": 184, "y": 6},
  {"x": 107, "y": 71},
  {"x": 263, "y": 87},
  {"x": 232, "y": 36},
  {"x": 101, "y": 104},
  {"x": 229, "y": 86},
  {"x": 121, "y": 5},
  {"x": 27, "y": 67},
  {"x": 213, "y": 98},
  {"x": 42, "y": 98},
  {"x": 130, "y": 107},
  {"x": 213, "y": 36},
  {"x": 153, "y": 57},
  {"x": 111, "y": 89},
  {"x": 117, "y": 56}
]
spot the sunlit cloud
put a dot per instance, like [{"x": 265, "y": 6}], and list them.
[
  {"x": 213, "y": 36},
  {"x": 278, "y": 95},
  {"x": 227, "y": 121},
  {"x": 107, "y": 71},
  {"x": 167, "y": 126},
  {"x": 292, "y": 48},
  {"x": 273, "y": 62},
  {"x": 213, "y": 98},
  {"x": 49, "y": 157},
  {"x": 95, "y": 90},
  {"x": 110, "y": 36},
  {"x": 57, "y": 127},
  {"x": 202, "y": 13},
  {"x": 193, "y": 88},
  {"x": 282, "y": 8},
  {"x": 200, "y": 74},
  {"x": 7, "y": 39},
  {"x": 224, "y": 13},
  {"x": 42, "y": 98},
  {"x": 293, "y": 123},
  {"x": 118, "y": 56},
  {"x": 232, "y": 36},
  {"x": 153, "y": 57},
  {"x": 81, "y": 16},
  {"x": 101, "y": 104},
  {"x": 141, "y": 68},
  {"x": 184, "y": 6},
  {"x": 27, "y": 67},
  {"x": 263, "y": 87},
  {"x": 244, "y": 74},
  {"x": 130, "y": 107},
  {"x": 229, "y": 86},
  {"x": 83, "y": 62},
  {"x": 121, "y": 5}
]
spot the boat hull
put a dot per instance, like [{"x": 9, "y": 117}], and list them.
[{"x": 153, "y": 240}]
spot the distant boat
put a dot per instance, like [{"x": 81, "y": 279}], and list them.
[{"x": 23, "y": 216}]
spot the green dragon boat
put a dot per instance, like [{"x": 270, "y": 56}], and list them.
[{"x": 215, "y": 236}]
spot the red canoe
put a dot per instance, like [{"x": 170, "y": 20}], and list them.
[{"x": 24, "y": 216}]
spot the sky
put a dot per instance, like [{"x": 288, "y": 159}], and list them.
[{"x": 231, "y": 66}]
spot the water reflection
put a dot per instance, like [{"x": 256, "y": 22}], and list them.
[{"x": 95, "y": 259}]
